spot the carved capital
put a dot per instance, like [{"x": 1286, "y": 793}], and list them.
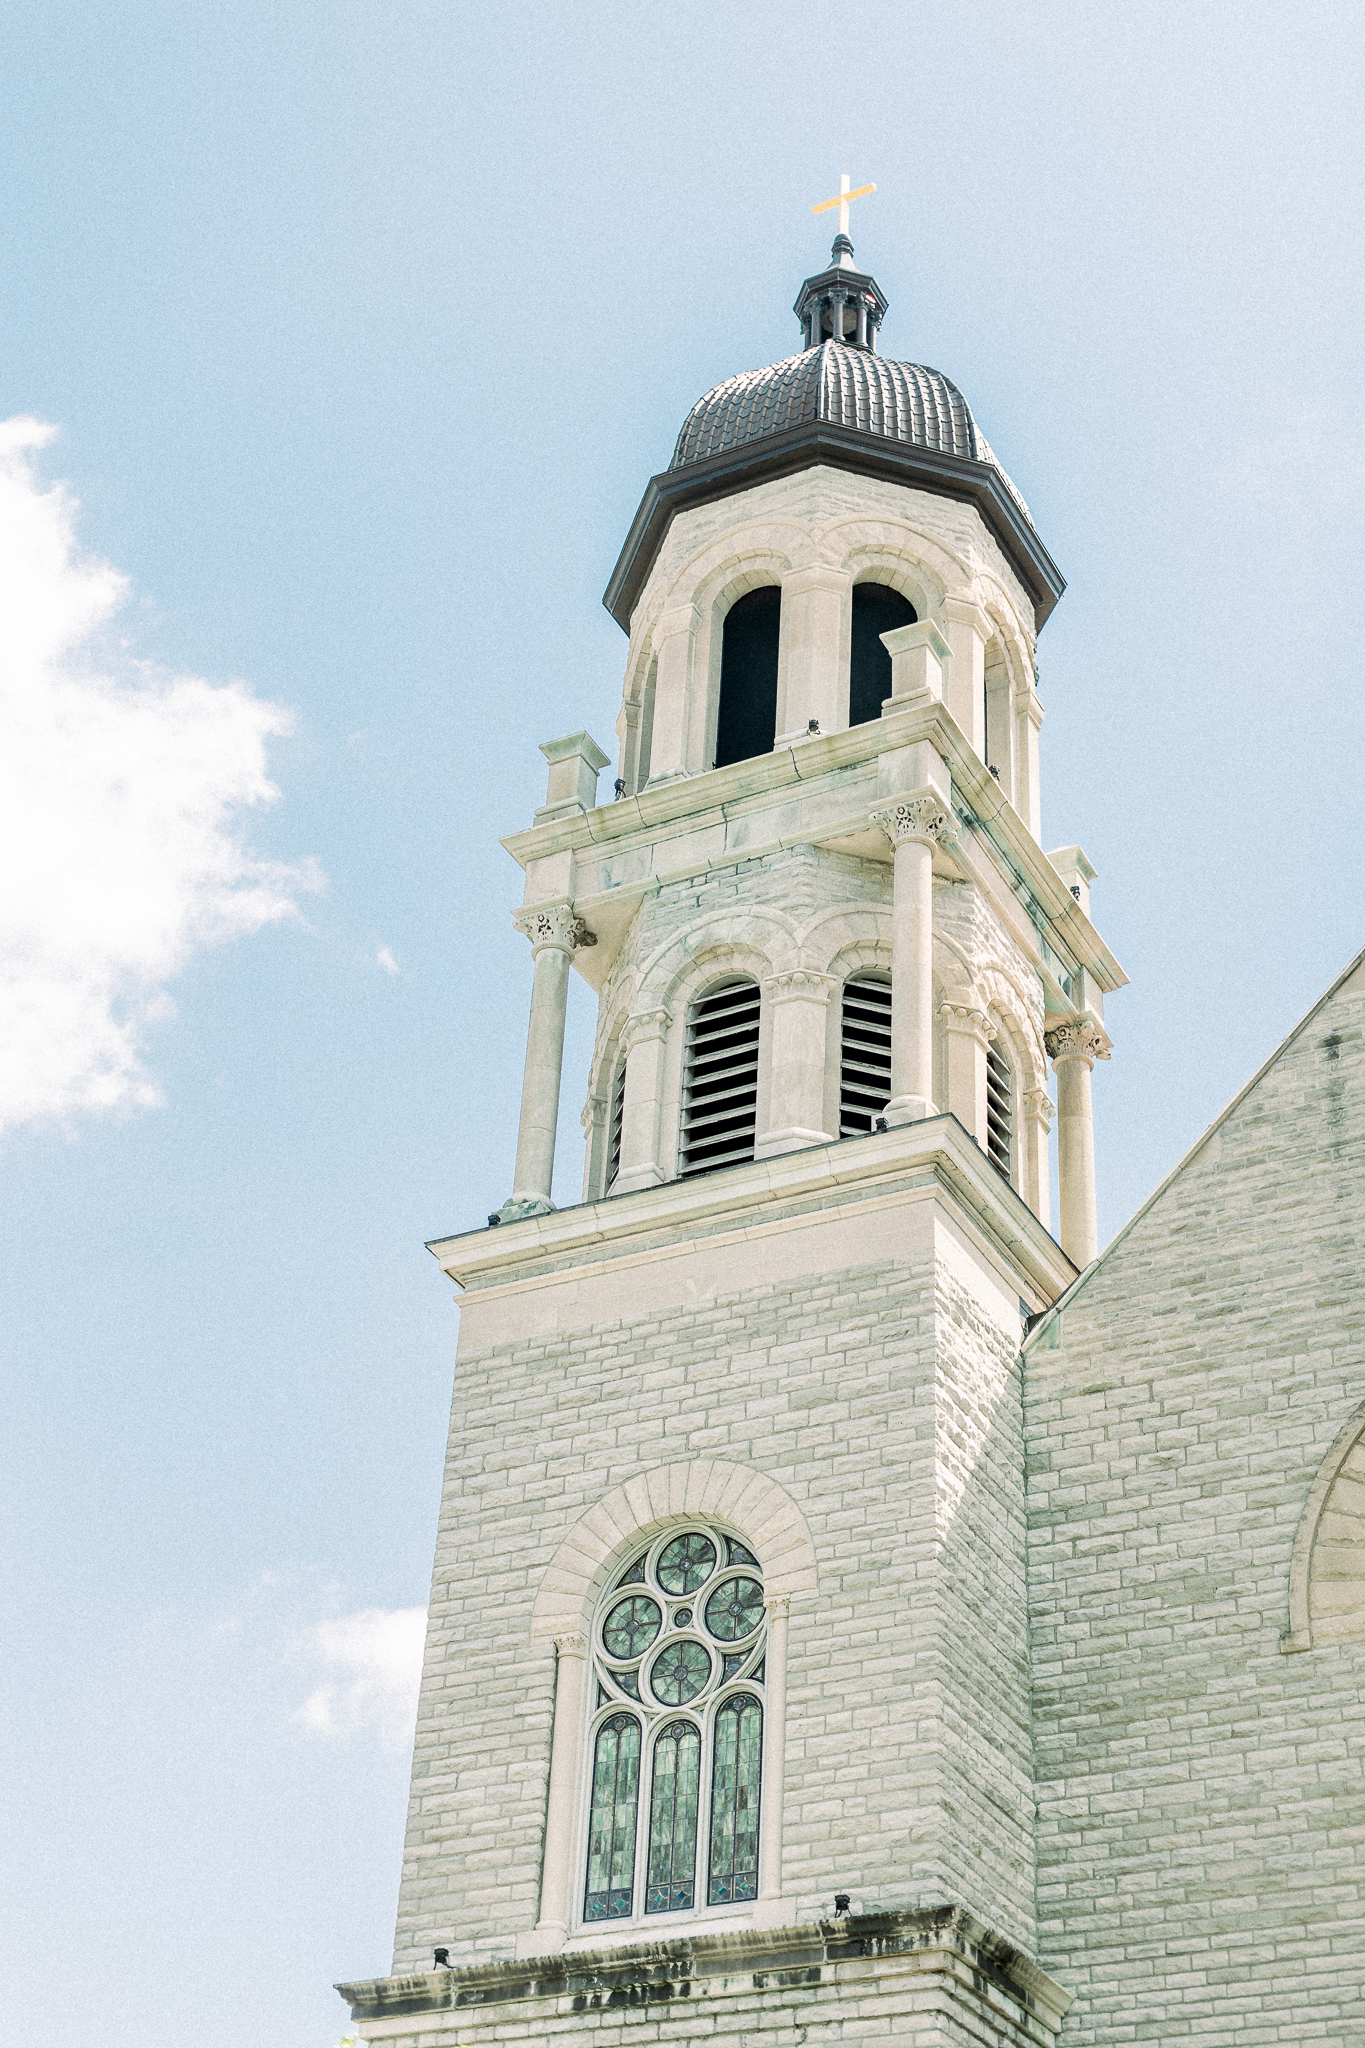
[
  {"x": 554, "y": 924},
  {"x": 1038, "y": 1106},
  {"x": 961, "y": 1011},
  {"x": 921, "y": 817},
  {"x": 800, "y": 981},
  {"x": 641, "y": 1025},
  {"x": 778, "y": 1606},
  {"x": 594, "y": 1113},
  {"x": 571, "y": 1646},
  {"x": 1079, "y": 1040}
]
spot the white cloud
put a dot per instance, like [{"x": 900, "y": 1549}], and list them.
[
  {"x": 386, "y": 960},
  {"x": 121, "y": 788},
  {"x": 377, "y": 1658}
]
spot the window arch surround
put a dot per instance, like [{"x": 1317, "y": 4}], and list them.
[{"x": 1327, "y": 1568}]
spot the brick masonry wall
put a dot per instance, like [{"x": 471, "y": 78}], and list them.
[
  {"x": 1201, "y": 1795},
  {"x": 885, "y": 1400}
]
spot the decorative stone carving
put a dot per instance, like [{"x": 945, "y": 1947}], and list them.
[
  {"x": 1079, "y": 1040},
  {"x": 1038, "y": 1105},
  {"x": 573, "y": 1645},
  {"x": 556, "y": 924},
  {"x": 915, "y": 817},
  {"x": 641, "y": 1025},
  {"x": 962, "y": 1013},
  {"x": 804, "y": 982},
  {"x": 594, "y": 1113}
]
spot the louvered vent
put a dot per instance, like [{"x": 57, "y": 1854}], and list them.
[
  {"x": 720, "y": 1084},
  {"x": 999, "y": 1110},
  {"x": 618, "y": 1110},
  {"x": 865, "y": 1055}
]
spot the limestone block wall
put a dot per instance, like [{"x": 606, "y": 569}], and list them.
[
  {"x": 883, "y": 1397},
  {"x": 1201, "y": 1793}
]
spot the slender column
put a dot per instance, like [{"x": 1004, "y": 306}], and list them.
[
  {"x": 554, "y": 932},
  {"x": 815, "y": 603},
  {"x": 968, "y": 629},
  {"x": 798, "y": 1003},
  {"x": 643, "y": 1039},
  {"x": 968, "y": 1031},
  {"x": 1073, "y": 1049},
  {"x": 1037, "y": 1125},
  {"x": 914, "y": 825},
  {"x": 862, "y": 323},
  {"x": 672, "y": 691},
  {"x": 774, "y": 1749},
  {"x": 556, "y": 1884},
  {"x": 594, "y": 1122}
]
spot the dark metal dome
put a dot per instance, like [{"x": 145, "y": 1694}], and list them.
[{"x": 842, "y": 386}]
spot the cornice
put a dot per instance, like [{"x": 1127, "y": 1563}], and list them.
[{"x": 756, "y": 462}]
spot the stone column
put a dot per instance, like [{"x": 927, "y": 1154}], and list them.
[
  {"x": 554, "y": 932},
  {"x": 774, "y": 1755},
  {"x": 1073, "y": 1049},
  {"x": 798, "y": 1004},
  {"x": 968, "y": 629},
  {"x": 968, "y": 1031},
  {"x": 672, "y": 694},
  {"x": 914, "y": 825},
  {"x": 643, "y": 1040},
  {"x": 557, "y": 1874},
  {"x": 1037, "y": 1125},
  {"x": 918, "y": 656},
  {"x": 815, "y": 603}
]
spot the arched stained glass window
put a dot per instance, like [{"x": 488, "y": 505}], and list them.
[
  {"x": 612, "y": 1827},
  {"x": 734, "y": 1800},
  {"x": 674, "y": 1798}
]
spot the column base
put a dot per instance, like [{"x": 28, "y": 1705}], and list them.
[
  {"x": 793, "y": 1139},
  {"x": 632, "y": 1178},
  {"x": 518, "y": 1207},
  {"x": 908, "y": 1109}
]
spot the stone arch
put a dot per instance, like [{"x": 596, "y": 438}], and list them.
[
  {"x": 1327, "y": 1568},
  {"x": 764, "y": 1513},
  {"x": 759, "y": 941},
  {"x": 921, "y": 568}
]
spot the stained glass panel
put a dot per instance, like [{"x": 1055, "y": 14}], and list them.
[
  {"x": 628, "y": 1681},
  {"x": 738, "y": 1554},
  {"x": 611, "y": 1831},
  {"x": 631, "y": 1626},
  {"x": 686, "y": 1563},
  {"x": 735, "y": 1609},
  {"x": 738, "y": 1761},
  {"x": 635, "y": 1576},
  {"x": 670, "y": 1882},
  {"x": 679, "y": 1673}
]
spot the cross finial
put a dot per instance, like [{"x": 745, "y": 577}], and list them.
[{"x": 842, "y": 201}]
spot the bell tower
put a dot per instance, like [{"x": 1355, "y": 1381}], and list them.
[{"x": 725, "y": 1706}]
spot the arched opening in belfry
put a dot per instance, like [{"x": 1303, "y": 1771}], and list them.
[
  {"x": 746, "y": 723},
  {"x": 877, "y": 609}
]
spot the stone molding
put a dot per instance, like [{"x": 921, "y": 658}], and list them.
[
  {"x": 1039, "y": 1105},
  {"x": 965, "y": 1014},
  {"x": 641, "y": 1025},
  {"x": 805, "y": 983},
  {"x": 571, "y": 1645},
  {"x": 710, "y": 1487},
  {"x": 924, "y": 817},
  {"x": 1309, "y": 1629},
  {"x": 594, "y": 1113},
  {"x": 1080, "y": 1040},
  {"x": 554, "y": 924},
  {"x": 1005, "y": 1996}
]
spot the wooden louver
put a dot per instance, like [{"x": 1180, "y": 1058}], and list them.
[
  {"x": 999, "y": 1110},
  {"x": 865, "y": 1055},
  {"x": 618, "y": 1110},
  {"x": 720, "y": 1082}
]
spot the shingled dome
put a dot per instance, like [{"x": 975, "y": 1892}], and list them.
[{"x": 839, "y": 386}]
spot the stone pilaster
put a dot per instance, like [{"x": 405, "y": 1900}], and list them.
[
  {"x": 797, "y": 1004},
  {"x": 914, "y": 824}
]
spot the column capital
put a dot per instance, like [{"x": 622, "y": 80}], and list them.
[
  {"x": 817, "y": 576},
  {"x": 643, "y": 1024},
  {"x": 594, "y": 1112},
  {"x": 554, "y": 924},
  {"x": 922, "y": 815},
  {"x": 961, "y": 1010},
  {"x": 804, "y": 983},
  {"x": 778, "y": 1606},
  {"x": 571, "y": 1646},
  {"x": 1081, "y": 1039},
  {"x": 1038, "y": 1105},
  {"x": 965, "y": 611}
]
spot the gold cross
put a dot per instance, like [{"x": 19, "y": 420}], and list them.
[{"x": 842, "y": 201}]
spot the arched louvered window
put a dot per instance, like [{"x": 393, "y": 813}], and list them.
[
  {"x": 999, "y": 1110},
  {"x": 746, "y": 723},
  {"x": 864, "y": 1053},
  {"x": 720, "y": 1079},
  {"x": 877, "y": 609},
  {"x": 678, "y": 1653},
  {"x": 616, "y": 1118}
]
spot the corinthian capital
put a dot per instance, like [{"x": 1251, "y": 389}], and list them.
[
  {"x": 1079, "y": 1040},
  {"x": 643, "y": 1024},
  {"x": 571, "y": 1646},
  {"x": 922, "y": 816},
  {"x": 554, "y": 924}
]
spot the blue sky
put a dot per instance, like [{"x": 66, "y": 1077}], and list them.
[{"x": 362, "y": 329}]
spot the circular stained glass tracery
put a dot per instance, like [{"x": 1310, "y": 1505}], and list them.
[
  {"x": 735, "y": 1609},
  {"x": 686, "y": 1563},
  {"x": 679, "y": 1673},
  {"x": 631, "y": 1626}
]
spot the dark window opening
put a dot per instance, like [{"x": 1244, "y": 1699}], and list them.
[
  {"x": 618, "y": 1112},
  {"x": 720, "y": 1081},
  {"x": 864, "y": 1054},
  {"x": 877, "y": 609},
  {"x": 999, "y": 1111},
  {"x": 747, "y": 720}
]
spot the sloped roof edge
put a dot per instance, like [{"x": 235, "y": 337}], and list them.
[{"x": 1064, "y": 1301}]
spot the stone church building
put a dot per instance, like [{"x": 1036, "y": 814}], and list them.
[{"x": 857, "y": 1616}]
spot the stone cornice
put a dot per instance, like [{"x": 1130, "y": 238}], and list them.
[
  {"x": 729, "y": 804},
  {"x": 935, "y": 1158},
  {"x": 946, "y": 1940},
  {"x": 823, "y": 444}
]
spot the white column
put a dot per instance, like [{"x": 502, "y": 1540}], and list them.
[
  {"x": 1037, "y": 1125},
  {"x": 774, "y": 1754},
  {"x": 557, "y": 1873},
  {"x": 594, "y": 1122},
  {"x": 643, "y": 1040},
  {"x": 798, "y": 1004},
  {"x": 815, "y": 605},
  {"x": 967, "y": 1031},
  {"x": 1073, "y": 1049},
  {"x": 672, "y": 694},
  {"x": 968, "y": 629},
  {"x": 554, "y": 932},
  {"x": 919, "y": 654},
  {"x": 914, "y": 825}
]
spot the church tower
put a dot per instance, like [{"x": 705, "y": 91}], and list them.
[{"x": 725, "y": 1711}]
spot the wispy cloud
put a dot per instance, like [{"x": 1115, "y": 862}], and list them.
[
  {"x": 386, "y": 960},
  {"x": 375, "y": 1658},
  {"x": 121, "y": 790}
]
